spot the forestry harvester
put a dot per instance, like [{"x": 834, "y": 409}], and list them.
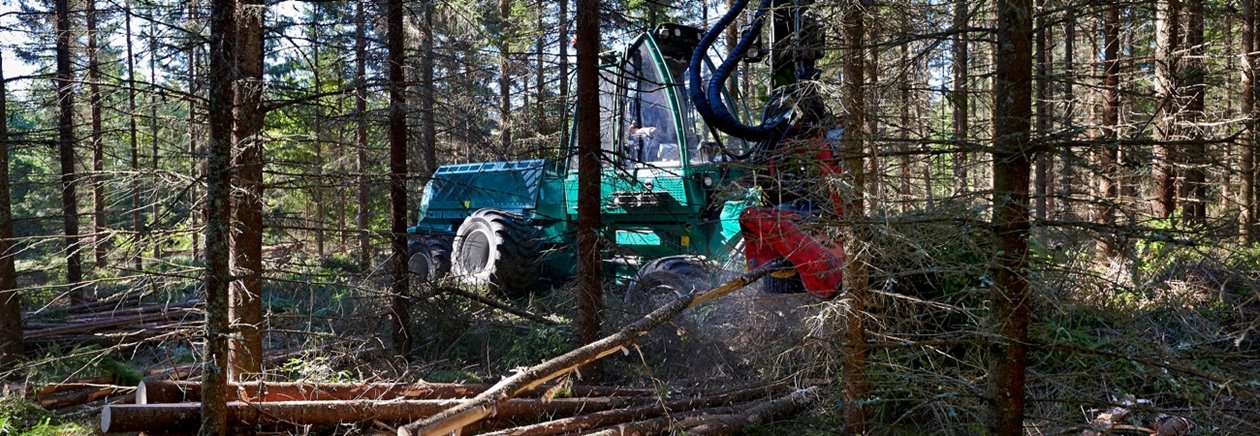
[{"x": 676, "y": 149}]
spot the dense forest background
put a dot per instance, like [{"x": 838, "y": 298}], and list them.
[{"x": 1138, "y": 170}]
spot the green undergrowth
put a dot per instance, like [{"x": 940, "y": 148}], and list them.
[{"x": 19, "y": 417}]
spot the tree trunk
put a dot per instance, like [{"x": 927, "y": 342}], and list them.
[
  {"x": 361, "y": 135},
  {"x": 1167, "y": 29},
  {"x": 564, "y": 71},
  {"x": 218, "y": 215},
  {"x": 873, "y": 93},
  {"x": 428, "y": 122},
  {"x": 906, "y": 193},
  {"x": 1247, "y": 190},
  {"x": 1108, "y": 150},
  {"x": 484, "y": 404},
  {"x": 65, "y": 146},
  {"x": 732, "y": 38},
  {"x": 100, "y": 241},
  {"x": 245, "y": 300},
  {"x": 193, "y": 57},
  {"x": 182, "y": 417},
  {"x": 317, "y": 191},
  {"x": 159, "y": 238},
  {"x": 1012, "y": 104},
  {"x": 960, "y": 96},
  {"x": 137, "y": 219},
  {"x": 10, "y": 301},
  {"x": 1069, "y": 111},
  {"x": 590, "y": 290},
  {"x": 505, "y": 79},
  {"x": 1044, "y": 53},
  {"x": 584, "y": 422},
  {"x": 398, "y": 177},
  {"x": 168, "y": 391},
  {"x": 1194, "y": 203},
  {"x": 540, "y": 115},
  {"x": 855, "y": 274}
]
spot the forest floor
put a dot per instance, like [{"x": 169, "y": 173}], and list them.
[{"x": 1168, "y": 331}]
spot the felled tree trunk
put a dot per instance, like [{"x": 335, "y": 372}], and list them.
[
  {"x": 484, "y": 405},
  {"x": 186, "y": 417},
  {"x": 154, "y": 392},
  {"x": 618, "y": 416}
]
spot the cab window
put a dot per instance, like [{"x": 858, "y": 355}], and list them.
[{"x": 649, "y": 135}]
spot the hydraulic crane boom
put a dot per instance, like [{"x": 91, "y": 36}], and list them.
[{"x": 796, "y": 124}]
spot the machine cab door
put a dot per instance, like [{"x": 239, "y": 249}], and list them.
[{"x": 650, "y": 135}]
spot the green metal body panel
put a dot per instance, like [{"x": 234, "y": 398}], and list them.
[{"x": 649, "y": 209}]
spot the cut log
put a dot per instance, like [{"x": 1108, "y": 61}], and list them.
[
  {"x": 53, "y": 388},
  {"x": 186, "y": 417},
  {"x": 757, "y": 413},
  {"x": 81, "y": 396},
  {"x": 660, "y": 425},
  {"x": 484, "y": 404},
  {"x": 108, "y": 323},
  {"x": 92, "y": 306},
  {"x": 108, "y": 313},
  {"x": 156, "y": 392},
  {"x": 176, "y": 372},
  {"x": 611, "y": 417},
  {"x": 723, "y": 420}
]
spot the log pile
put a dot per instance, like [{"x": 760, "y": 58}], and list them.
[
  {"x": 77, "y": 392},
  {"x": 524, "y": 403},
  {"x": 173, "y": 406},
  {"x": 114, "y": 324}
]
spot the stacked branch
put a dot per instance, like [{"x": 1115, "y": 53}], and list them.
[
  {"x": 155, "y": 392},
  {"x": 444, "y": 408},
  {"x": 77, "y": 392},
  {"x": 284, "y": 405},
  {"x": 120, "y": 325},
  {"x": 487, "y": 403}
]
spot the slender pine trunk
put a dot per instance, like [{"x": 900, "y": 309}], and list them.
[
  {"x": 590, "y": 289},
  {"x": 245, "y": 299},
  {"x": 10, "y": 301},
  {"x": 1012, "y": 93},
  {"x": 218, "y": 217},
  {"x": 64, "y": 80},
  {"x": 398, "y": 176}
]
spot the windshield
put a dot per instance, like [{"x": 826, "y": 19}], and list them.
[{"x": 651, "y": 138}]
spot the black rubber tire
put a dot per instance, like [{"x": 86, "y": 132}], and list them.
[
  {"x": 428, "y": 257},
  {"x": 498, "y": 249},
  {"x": 662, "y": 280}
]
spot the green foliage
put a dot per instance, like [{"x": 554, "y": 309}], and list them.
[
  {"x": 538, "y": 344},
  {"x": 17, "y": 414},
  {"x": 81, "y": 361},
  {"x": 48, "y": 428},
  {"x": 124, "y": 374},
  {"x": 340, "y": 263},
  {"x": 19, "y": 417},
  {"x": 315, "y": 369}
]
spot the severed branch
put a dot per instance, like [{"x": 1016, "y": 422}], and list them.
[
  {"x": 714, "y": 421},
  {"x": 162, "y": 391},
  {"x": 484, "y": 405},
  {"x": 617, "y": 416},
  {"x": 760, "y": 412},
  {"x": 494, "y": 304},
  {"x": 186, "y": 417}
]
